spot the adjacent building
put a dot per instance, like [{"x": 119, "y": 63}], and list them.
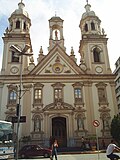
[
  {"x": 58, "y": 97},
  {"x": 117, "y": 82}
]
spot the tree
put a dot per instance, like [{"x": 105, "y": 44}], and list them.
[{"x": 115, "y": 128}]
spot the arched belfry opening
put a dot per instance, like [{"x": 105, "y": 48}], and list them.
[
  {"x": 56, "y": 32},
  {"x": 59, "y": 130}
]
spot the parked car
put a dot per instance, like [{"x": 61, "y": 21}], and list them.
[{"x": 34, "y": 150}]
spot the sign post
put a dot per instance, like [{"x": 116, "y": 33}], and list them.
[
  {"x": 96, "y": 123},
  {"x": 22, "y": 119}
]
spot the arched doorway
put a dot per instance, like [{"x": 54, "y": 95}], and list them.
[{"x": 59, "y": 130}]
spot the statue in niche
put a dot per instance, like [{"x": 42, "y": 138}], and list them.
[
  {"x": 56, "y": 35},
  {"x": 80, "y": 123},
  {"x": 37, "y": 125}
]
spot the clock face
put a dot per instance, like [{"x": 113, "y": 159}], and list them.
[{"x": 14, "y": 70}]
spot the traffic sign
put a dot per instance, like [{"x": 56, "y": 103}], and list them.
[
  {"x": 22, "y": 119},
  {"x": 96, "y": 123}
]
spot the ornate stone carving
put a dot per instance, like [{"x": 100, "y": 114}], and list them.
[{"x": 59, "y": 106}]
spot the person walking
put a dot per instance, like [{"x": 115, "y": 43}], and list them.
[
  {"x": 110, "y": 149},
  {"x": 83, "y": 146},
  {"x": 54, "y": 149}
]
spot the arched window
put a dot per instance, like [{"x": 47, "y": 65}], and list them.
[
  {"x": 96, "y": 55},
  {"x": 58, "y": 92},
  {"x": 12, "y": 99},
  {"x": 78, "y": 93},
  {"x": 18, "y": 24},
  {"x": 37, "y": 96},
  {"x": 14, "y": 57},
  {"x": 38, "y": 91},
  {"x": 12, "y": 96},
  {"x": 86, "y": 27},
  {"x": 92, "y": 26}
]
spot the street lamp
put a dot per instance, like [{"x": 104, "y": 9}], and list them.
[{"x": 20, "y": 53}]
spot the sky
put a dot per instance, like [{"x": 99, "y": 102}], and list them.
[{"x": 40, "y": 11}]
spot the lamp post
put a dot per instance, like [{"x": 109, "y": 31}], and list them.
[{"x": 20, "y": 53}]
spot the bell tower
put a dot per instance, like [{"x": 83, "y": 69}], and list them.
[
  {"x": 17, "y": 34},
  {"x": 93, "y": 44},
  {"x": 56, "y": 32}
]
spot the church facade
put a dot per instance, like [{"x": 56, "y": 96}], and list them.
[{"x": 58, "y": 97}]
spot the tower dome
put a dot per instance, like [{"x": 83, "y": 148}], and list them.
[
  {"x": 21, "y": 10},
  {"x": 90, "y": 23},
  {"x": 19, "y": 21},
  {"x": 88, "y": 11}
]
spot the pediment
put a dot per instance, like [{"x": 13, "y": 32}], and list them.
[
  {"x": 57, "y": 62},
  {"x": 59, "y": 106}
]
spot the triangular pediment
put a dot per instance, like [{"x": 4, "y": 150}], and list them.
[{"x": 57, "y": 62}]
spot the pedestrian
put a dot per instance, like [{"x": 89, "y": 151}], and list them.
[
  {"x": 110, "y": 149},
  {"x": 54, "y": 149},
  {"x": 83, "y": 146},
  {"x": 87, "y": 145}
]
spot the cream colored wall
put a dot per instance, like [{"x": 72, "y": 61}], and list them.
[
  {"x": 69, "y": 93},
  {"x": 48, "y": 93},
  {"x": 4, "y": 101},
  {"x": 26, "y": 111},
  {"x": 89, "y": 105},
  {"x": 5, "y": 58},
  {"x": 96, "y": 108},
  {"x": 6, "y": 63}
]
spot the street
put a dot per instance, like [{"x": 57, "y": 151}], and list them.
[{"x": 100, "y": 156}]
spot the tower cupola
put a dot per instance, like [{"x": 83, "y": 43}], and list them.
[
  {"x": 19, "y": 21},
  {"x": 17, "y": 34},
  {"x": 56, "y": 32},
  {"x": 93, "y": 44},
  {"x": 90, "y": 23}
]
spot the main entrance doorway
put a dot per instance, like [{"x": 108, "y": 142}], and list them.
[{"x": 59, "y": 130}]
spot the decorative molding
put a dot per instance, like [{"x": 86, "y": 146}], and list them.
[{"x": 59, "y": 106}]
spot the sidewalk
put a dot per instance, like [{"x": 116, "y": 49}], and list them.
[
  {"x": 81, "y": 152},
  {"x": 101, "y": 156}
]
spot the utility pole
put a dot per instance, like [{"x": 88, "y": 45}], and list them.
[{"x": 20, "y": 53}]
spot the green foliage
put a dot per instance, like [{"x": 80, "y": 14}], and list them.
[{"x": 115, "y": 128}]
